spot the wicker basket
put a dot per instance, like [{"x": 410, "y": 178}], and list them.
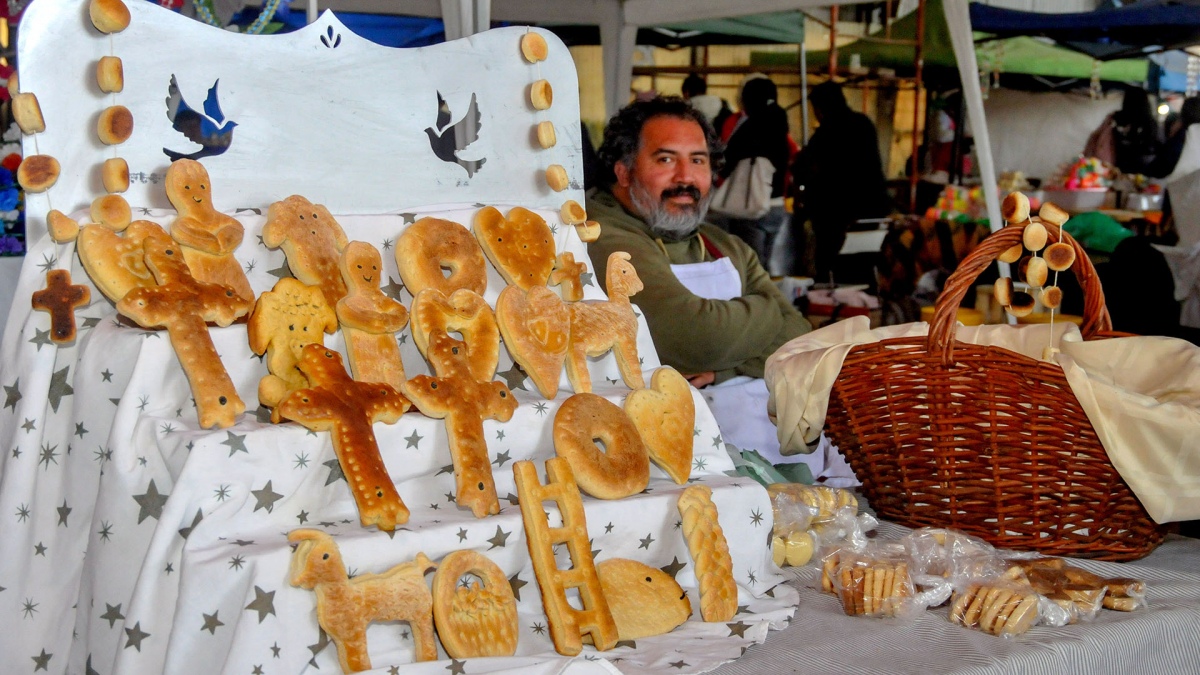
[{"x": 948, "y": 434}]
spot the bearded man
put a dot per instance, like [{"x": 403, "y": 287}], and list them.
[{"x": 713, "y": 311}]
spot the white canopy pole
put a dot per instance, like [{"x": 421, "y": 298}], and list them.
[
  {"x": 958, "y": 19},
  {"x": 465, "y": 17},
  {"x": 618, "y": 40}
]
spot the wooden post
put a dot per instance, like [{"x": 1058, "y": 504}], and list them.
[
  {"x": 918, "y": 63},
  {"x": 833, "y": 19}
]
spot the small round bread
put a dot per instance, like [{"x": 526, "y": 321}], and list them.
[
  {"x": 110, "y": 75},
  {"x": 432, "y": 245},
  {"x": 1021, "y": 305},
  {"x": 1036, "y": 272},
  {"x": 62, "y": 228},
  {"x": 1052, "y": 214},
  {"x": 1002, "y": 290},
  {"x": 1011, "y": 255},
  {"x": 588, "y": 231},
  {"x": 115, "y": 125},
  {"x": 1034, "y": 236},
  {"x": 534, "y": 47},
  {"x": 1015, "y": 208},
  {"x": 621, "y": 468},
  {"x": 109, "y": 16},
  {"x": 28, "y": 113},
  {"x": 115, "y": 175},
  {"x": 14, "y": 86},
  {"x": 38, "y": 173},
  {"x": 556, "y": 177},
  {"x": 545, "y": 134},
  {"x": 541, "y": 95},
  {"x": 1052, "y": 297},
  {"x": 1059, "y": 256},
  {"x": 112, "y": 211},
  {"x": 1023, "y": 265},
  {"x": 572, "y": 213},
  {"x": 479, "y": 619}
]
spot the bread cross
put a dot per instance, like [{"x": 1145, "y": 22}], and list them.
[
  {"x": 347, "y": 408},
  {"x": 60, "y": 299},
  {"x": 567, "y": 274},
  {"x": 464, "y": 403},
  {"x": 182, "y": 304}
]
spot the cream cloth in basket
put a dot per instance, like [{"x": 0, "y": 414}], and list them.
[{"x": 1141, "y": 394}]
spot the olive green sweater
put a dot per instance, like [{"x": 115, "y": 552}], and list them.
[{"x": 693, "y": 334}]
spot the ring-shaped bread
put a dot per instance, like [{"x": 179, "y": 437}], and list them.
[
  {"x": 475, "y": 620},
  {"x": 622, "y": 468},
  {"x": 430, "y": 245}
]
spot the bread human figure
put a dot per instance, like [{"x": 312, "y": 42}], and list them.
[
  {"x": 346, "y": 606},
  {"x": 464, "y": 402},
  {"x": 208, "y": 237},
  {"x": 600, "y": 325},
  {"x": 285, "y": 319},
  {"x": 347, "y": 409},
  {"x": 369, "y": 318},
  {"x": 313, "y": 242},
  {"x": 182, "y": 304}
]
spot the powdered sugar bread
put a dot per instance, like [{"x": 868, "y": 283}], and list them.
[{"x": 665, "y": 416}]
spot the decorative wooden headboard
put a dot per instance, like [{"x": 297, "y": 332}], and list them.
[{"x": 320, "y": 112}]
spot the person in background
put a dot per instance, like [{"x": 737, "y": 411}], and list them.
[
  {"x": 762, "y": 133},
  {"x": 713, "y": 312},
  {"x": 695, "y": 92},
  {"x": 1168, "y": 158},
  {"x": 838, "y": 176},
  {"x": 1127, "y": 138}
]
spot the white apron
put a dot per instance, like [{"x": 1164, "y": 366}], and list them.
[{"x": 740, "y": 403}]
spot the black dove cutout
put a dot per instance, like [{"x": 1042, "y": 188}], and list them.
[
  {"x": 447, "y": 140},
  {"x": 210, "y": 130}
]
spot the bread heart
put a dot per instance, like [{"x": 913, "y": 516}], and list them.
[
  {"x": 665, "y": 416},
  {"x": 464, "y": 312},
  {"x": 117, "y": 263},
  {"x": 535, "y": 325},
  {"x": 520, "y": 245}
]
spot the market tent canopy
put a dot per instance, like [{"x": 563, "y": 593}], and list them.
[
  {"x": 1022, "y": 55},
  {"x": 1107, "y": 33}
]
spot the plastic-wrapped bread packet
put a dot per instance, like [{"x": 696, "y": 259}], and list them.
[
  {"x": 791, "y": 542},
  {"x": 833, "y": 521},
  {"x": 1001, "y": 607}
]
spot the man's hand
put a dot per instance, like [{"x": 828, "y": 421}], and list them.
[{"x": 701, "y": 380}]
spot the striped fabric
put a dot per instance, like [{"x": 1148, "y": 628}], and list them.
[{"x": 1163, "y": 637}]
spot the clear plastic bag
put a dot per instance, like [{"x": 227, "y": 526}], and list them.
[{"x": 1000, "y": 607}]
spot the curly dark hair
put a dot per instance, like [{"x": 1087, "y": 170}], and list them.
[{"x": 622, "y": 136}]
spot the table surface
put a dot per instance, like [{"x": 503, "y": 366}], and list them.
[{"x": 1160, "y": 638}]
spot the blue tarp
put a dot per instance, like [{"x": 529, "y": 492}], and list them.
[{"x": 1107, "y": 33}]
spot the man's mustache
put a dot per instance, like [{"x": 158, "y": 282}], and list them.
[{"x": 682, "y": 191}]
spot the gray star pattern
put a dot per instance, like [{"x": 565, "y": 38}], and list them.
[
  {"x": 502, "y": 458},
  {"x": 47, "y": 455},
  {"x": 586, "y": 279},
  {"x": 462, "y": 534},
  {"x": 29, "y": 425},
  {"x": 63, "y": 512},
  {"x": 515, "y": 583},
  {"x": 185, "y": 532},
  {"x": 40, "y": 337},
  {"x": 235, "y": 442},
  {"x": 335, "y": 471},
  {"x": 674, "y": 567},
  {"x": 281, "y": 272},
  {"x": 41, "y": 662},
  {"x": 12, "y": 395},
  {"x": 514, "y": 378},
  {"x": 738, "y": 629},
  {"x": 150, "y": 503},
  {"x": 392, "y": 289},
  {"x": 135, "y": 636},
  {"x": 499, "y": 540},
  {"x": 266, "y": 498},
  {"x": 457, "y": 667},
  {"x": 79, "y": 430},
  {"x": 264, "y": 603},
  {"x": 646, "y": 542},
  {"x": 413, "y": 440},
  {"x": 106, "y": 375},
  {"x": 322, "y": 642},
  {"x": 211, "y": 622}
]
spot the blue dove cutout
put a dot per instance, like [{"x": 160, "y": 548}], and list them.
[
  {"x": 447, "y": 140},
  {"x": 210, "y": 130}
]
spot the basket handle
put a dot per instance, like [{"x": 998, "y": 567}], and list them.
[{"x": 941, "y": 331}]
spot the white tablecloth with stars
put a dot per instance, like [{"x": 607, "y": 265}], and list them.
[{"x": 136, "y": 542}]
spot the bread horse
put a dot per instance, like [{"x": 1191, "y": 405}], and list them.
[
  {"x": 346, "y": 606},
  {"x": 600, "y": 325}
]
